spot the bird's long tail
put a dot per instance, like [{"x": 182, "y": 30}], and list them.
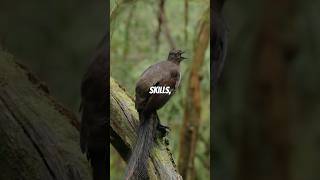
[{"x": 137, "y": 165}]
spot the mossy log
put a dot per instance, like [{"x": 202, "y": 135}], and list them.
[
  {"x": 38, "y": 137},
  {"x": 123, "y": 122},
  {"x": 40, "y": 140}
]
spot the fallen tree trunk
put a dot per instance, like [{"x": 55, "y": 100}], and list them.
[
  {"x": 123, "y": 122},
  {"x": 39, "y": 138}
]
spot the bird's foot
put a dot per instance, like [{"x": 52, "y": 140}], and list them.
[{"x": 164, "y": 130}]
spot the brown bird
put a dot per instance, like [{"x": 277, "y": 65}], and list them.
[
  {"x": 165, "y": 74},
  {"x": 93, "y": 132}
]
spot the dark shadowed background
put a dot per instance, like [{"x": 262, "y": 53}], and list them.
[
  {"x": 266, "y": 123},
  {"x": 55, "y": 39}
]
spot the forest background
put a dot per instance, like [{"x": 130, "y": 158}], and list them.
[{"x": 266, "y": 124}]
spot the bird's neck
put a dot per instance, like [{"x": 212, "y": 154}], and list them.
[{"x": 174, "y": 61}]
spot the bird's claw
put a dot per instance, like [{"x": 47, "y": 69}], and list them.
[{"x": 164, "y": 130}]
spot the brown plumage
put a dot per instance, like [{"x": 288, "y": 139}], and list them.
[
  {"x": 93, "y": 132},
  {"x": 165, "y": 73}
]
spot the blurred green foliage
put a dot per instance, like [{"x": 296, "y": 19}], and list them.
[{"x": 134, "y": 48}]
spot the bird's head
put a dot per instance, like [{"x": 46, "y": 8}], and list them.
[{"x": 175, "y": 55}]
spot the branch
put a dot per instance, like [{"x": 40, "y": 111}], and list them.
[
  {"x": 162, "y": 21},
  {"x": 123, "y": 122},
  {"x": 192, "y": 119},
  {"x": 119, "y": 7},
  {"x": 37, "y": 138},
  {"x": 127, "y": 34},
  {"x": 186, "y": 19}
]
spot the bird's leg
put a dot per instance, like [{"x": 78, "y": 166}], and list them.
[{"x": 164, "y": 130}]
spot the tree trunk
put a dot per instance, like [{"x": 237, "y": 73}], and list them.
[
  {"x": 124, "y": 122},
  {"x": 39, "y": 138},
  {"x": 191, "y": 123},
  {"x": 269, "y": 97}
]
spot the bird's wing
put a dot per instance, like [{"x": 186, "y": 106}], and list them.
[
  {"x": 93, "y": 105},
  {"x": 162, "y": 75},
  {"x": 150, "y": 77},
  {"x": 156, "y": 101}
]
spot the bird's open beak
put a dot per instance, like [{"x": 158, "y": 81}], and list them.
[{"x": 182, "y": 58}]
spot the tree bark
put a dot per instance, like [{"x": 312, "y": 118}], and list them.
[
  {"x": 186, "y": 20},
  {"x": 124, "y": 122},
  {"x": 39, "y": 137},
  {"x": 192, "y": 119},
  {"x": 269, "y": 97},
  {"x": 163, "y": 22}
]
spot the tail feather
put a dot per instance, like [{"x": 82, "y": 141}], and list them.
[
  {"x": 99, "y": 165},
  {"x": 137, "y": 166}
]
